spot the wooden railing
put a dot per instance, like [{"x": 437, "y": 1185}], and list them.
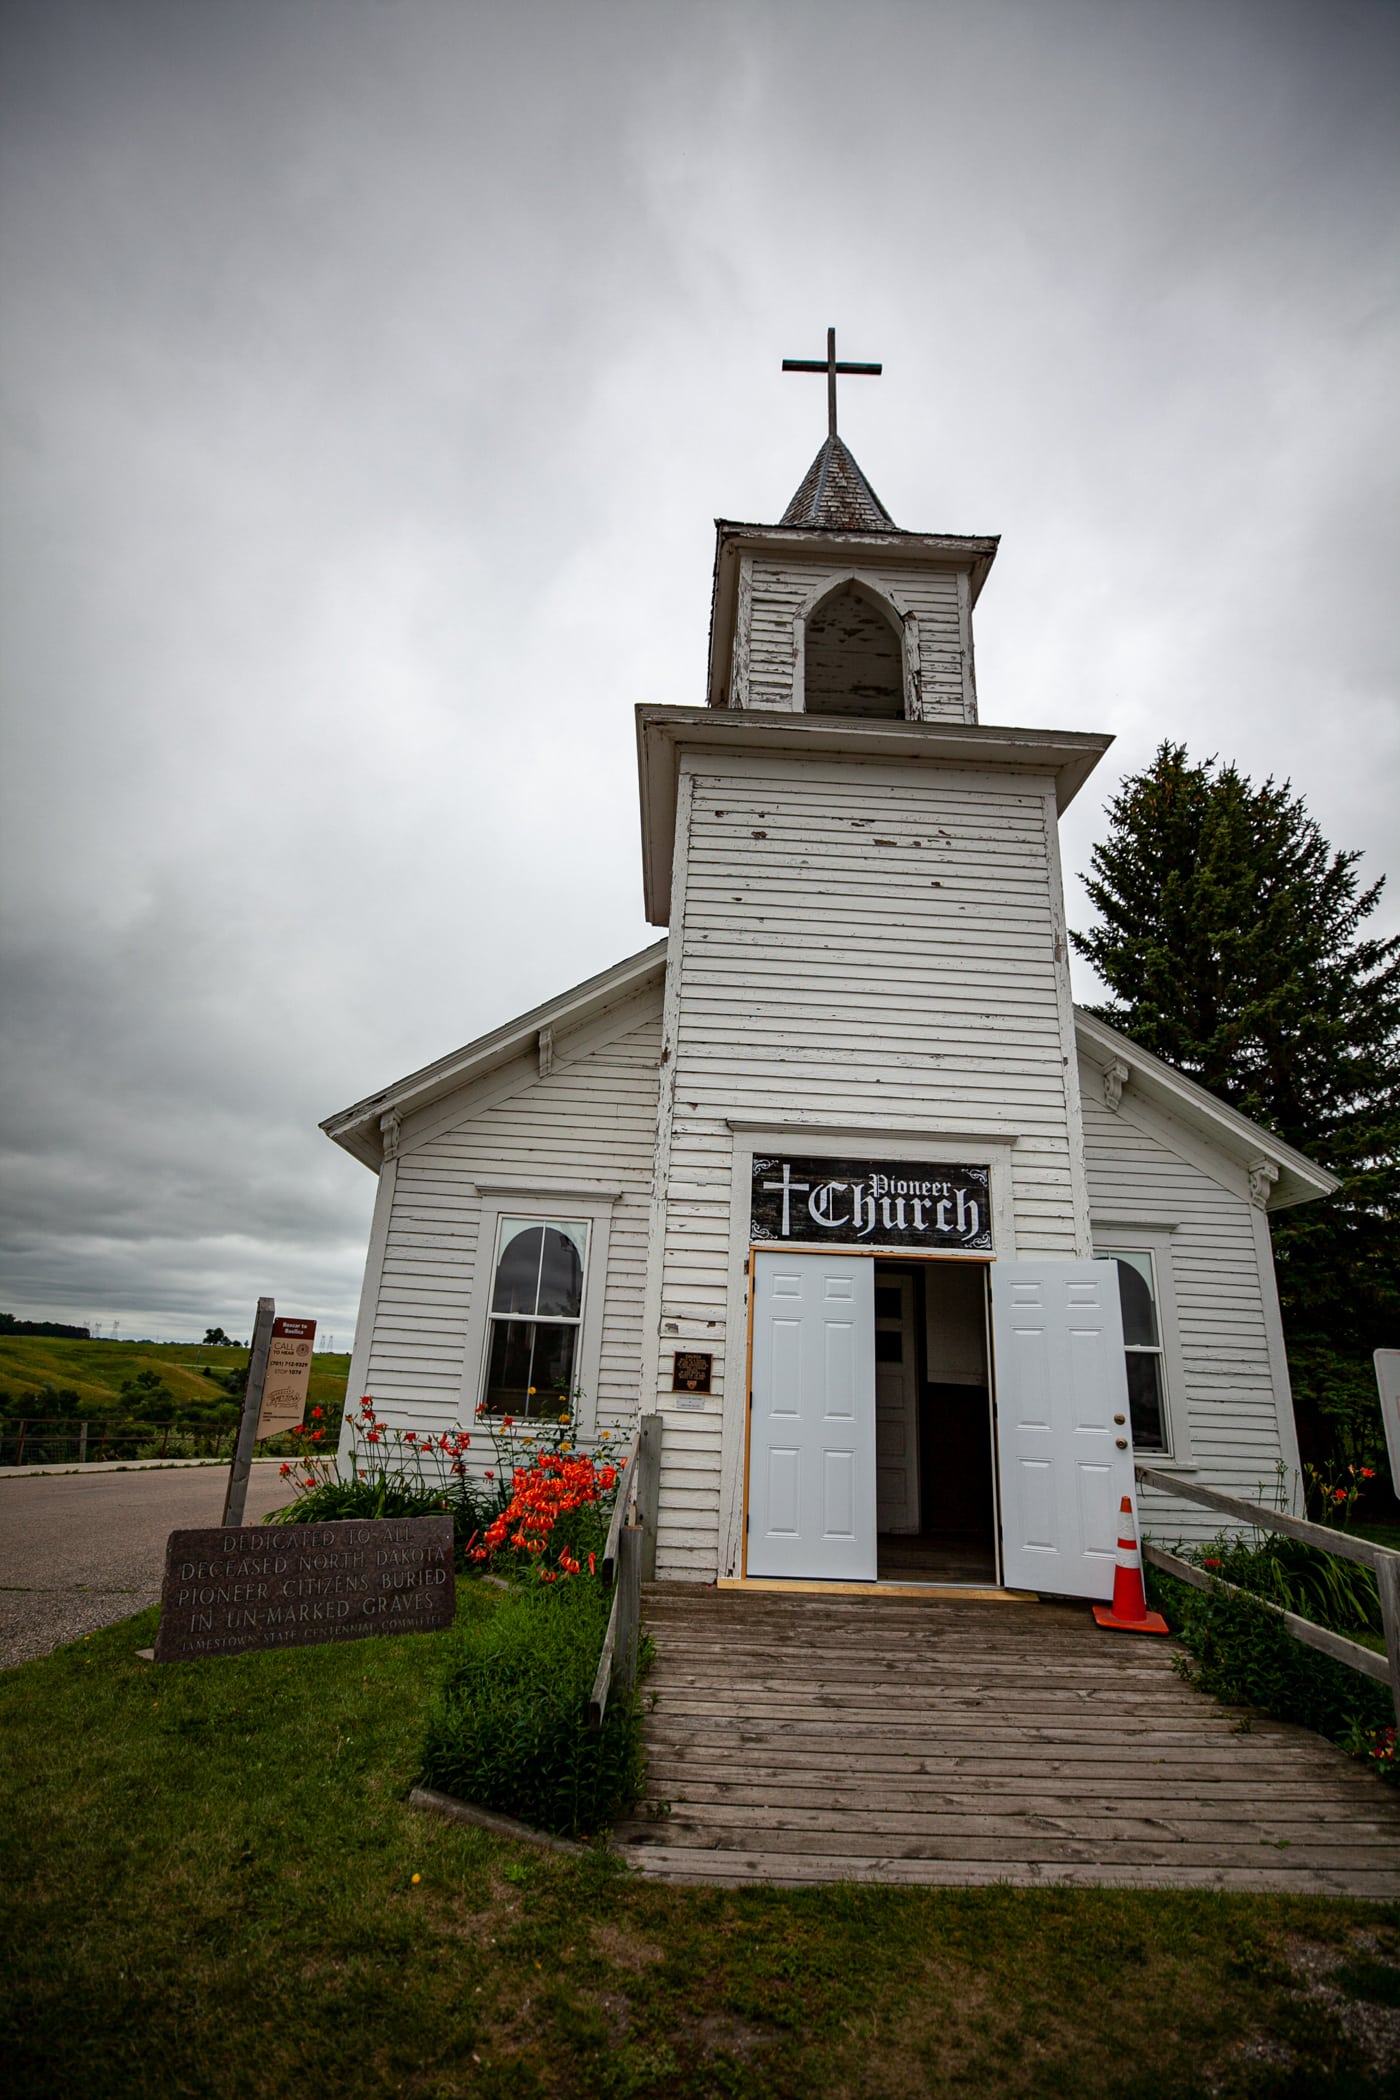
[
  {"x": 1384, "y": 1561},
  {"x": 629, "y": 1560}
]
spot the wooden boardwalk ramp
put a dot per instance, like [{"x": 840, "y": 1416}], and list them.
[{"x": 802, "y": 1739}]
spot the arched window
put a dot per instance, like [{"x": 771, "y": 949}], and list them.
[
  {"x": 854, "y": 657},
  {"x": 536, "y": 1312},
  {"x": 1142, "y": 1343}
]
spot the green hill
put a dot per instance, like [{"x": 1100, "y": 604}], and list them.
[{"x": 96, "y": 1372}]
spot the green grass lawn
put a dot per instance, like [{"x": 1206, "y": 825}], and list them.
[{"x": 213, "y": 1886}]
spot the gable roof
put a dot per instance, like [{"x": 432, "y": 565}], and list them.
[
  {"x": 1300, "y": 1179},
  {"x": 357, "y": 1128},
  {"x": 835, "y": 496}
]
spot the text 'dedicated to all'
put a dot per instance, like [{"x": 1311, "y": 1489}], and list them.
[{"x": 290, "y": 1585}]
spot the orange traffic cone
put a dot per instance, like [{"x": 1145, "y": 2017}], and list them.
[{"x": 1128, "y": 1611}]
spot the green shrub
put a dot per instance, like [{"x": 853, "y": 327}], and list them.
[
  {"x": 1244, "y": 1654},
  {"x": 510, "y": 1729},
  {"x": 1319, "y": 1586},
  {"x": 388, "y": 1495}
]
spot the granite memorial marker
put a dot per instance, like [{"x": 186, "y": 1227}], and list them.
[{"x": 291, "y": 1585}]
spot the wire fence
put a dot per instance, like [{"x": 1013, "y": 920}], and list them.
[{"x": 31, "y": 1440}]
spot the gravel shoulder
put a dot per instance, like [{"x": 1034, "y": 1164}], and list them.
[{"x": 78, "y": 1551}]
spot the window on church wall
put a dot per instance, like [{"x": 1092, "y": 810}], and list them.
[
  {"x": 536, "y": 1315},
  {"x": 1142, "y": 1347},
  {"x": 853, "y": 658}
]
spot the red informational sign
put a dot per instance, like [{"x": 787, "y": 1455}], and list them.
[{"x": 288, "y": 1376}]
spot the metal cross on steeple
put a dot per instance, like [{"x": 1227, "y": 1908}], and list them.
[{"x": 831, "y": 368}]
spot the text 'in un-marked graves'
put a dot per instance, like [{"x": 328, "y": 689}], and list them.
[{"x": 292, "y": 1585}]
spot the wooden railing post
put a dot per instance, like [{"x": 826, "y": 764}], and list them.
[
  {"x": 648, "y": 1490},
  {"x": 629, "y": 1558},
  {"x": 629, "y": 1602},
  {"x": 1388, "y": 1583},
  {"x": 625, "y": 1492}
]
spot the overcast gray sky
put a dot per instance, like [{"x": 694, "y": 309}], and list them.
[{"x": 374, "y": 371}]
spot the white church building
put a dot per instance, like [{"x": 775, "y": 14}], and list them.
[{"x": 911, "y": 1255}]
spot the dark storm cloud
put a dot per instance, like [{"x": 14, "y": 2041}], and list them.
[{"x": 373, "y": 373}]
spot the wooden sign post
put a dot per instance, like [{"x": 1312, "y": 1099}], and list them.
[{"x": 241, "y": 1466}]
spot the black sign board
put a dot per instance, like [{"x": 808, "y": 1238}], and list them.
[
  {"x": 289, "y": 1585},
  {"x": 872, "y": 1203},
  {"x": 690, "y": 1371}
]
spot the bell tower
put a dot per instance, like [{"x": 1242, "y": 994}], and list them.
[
  {"x": 835, "y": 610},
  {"x": 867, "y": 954}
]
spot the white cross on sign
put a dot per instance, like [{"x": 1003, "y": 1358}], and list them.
[{"x": 787, "y": 1185}]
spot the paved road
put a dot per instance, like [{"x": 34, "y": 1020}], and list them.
[{"x": 80, "y": 1550}]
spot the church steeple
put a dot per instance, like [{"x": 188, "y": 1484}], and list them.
[
  {"x": 836, "y": 610},
  {"x": 835, "y": 496}
]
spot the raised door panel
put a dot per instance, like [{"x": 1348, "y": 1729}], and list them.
[
  {"x": 812, "y": 1418},
  {"x": 1063, "y": 1439}
]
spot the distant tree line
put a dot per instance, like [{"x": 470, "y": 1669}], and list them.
[{"x": 54, "y": 1329}]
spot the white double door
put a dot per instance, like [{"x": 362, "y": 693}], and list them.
[
  {"x": 812, "y": 1423},
  {"x": 1063, "y": 1442}
]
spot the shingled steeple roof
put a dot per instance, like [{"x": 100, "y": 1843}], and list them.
[{"x": 835, "y": 496}]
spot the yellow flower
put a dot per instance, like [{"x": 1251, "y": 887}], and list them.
[
  {"x": 532, "y": 1392},
  {"x": 606, "y": 1434},
  {"x": 416, "y": 1879},
  {"x": 565, "y": 1416}
]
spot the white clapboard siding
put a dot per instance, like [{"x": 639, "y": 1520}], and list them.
[
  {"x": 780, "y": 591},
  {"x": 878, "y": 949},
  {"x": 1232, "y": 1390},
  {"x": 592, "y": 1120}
]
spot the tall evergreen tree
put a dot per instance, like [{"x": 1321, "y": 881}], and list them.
[{"x": 1230, "y": 940}]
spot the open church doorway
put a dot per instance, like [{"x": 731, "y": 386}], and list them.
[
  {"x": 935, "y": 1490},
  {"x": 870, "y": 1422}
]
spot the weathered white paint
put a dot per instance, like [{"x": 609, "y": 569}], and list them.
[
  {"x": 867, "y": 954},
  {"x": 778, "y": 594},
  {"x": 580, "y": 1137},
  {"x": 1154, "y": 1182},
  {"x": 369, "y": 1295},
  {"x": 871, "y": 949},
  {"x": 888, "y": 602}
]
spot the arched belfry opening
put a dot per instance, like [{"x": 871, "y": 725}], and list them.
[{"x": 853, "y": 656}]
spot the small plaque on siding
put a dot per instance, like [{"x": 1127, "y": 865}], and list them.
[
  {"x": 292, "y": 1585},
  {"x": 690, "y": 1371}
]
